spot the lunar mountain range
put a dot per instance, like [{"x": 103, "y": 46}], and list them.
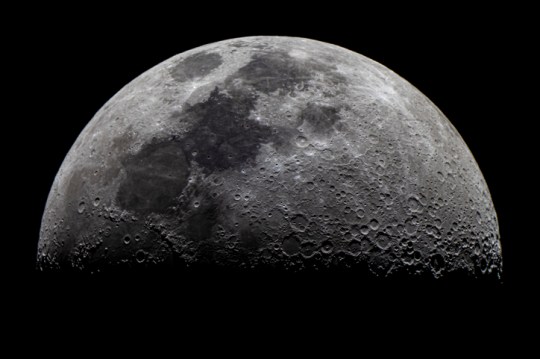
[{"x": 275, "y": 153}]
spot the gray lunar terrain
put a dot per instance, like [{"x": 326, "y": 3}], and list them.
[{"x": 271, "y": 152}]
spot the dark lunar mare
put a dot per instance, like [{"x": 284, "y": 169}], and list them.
[
  {"x": 155, "y": 177},
  {"x": 195, "y": 66},
  {"x": 223, "y": 137}
]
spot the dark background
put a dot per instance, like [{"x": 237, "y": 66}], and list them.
[{"x": 470, "y": 62}]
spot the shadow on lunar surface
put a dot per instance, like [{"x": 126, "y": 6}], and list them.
[{"x": 202, "y": 282}]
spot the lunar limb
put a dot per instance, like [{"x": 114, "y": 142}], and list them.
[{"x": 271, "y": 152}]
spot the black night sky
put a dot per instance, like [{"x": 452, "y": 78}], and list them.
[{"x": 468, "y": 62}]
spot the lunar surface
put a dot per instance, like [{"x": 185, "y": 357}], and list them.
[{"x": 275, "y": 153}]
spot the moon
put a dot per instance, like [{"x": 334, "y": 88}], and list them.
[{"x": 273, "y": 153}]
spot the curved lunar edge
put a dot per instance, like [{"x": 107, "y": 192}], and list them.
[{"x": 271, "y": 152}]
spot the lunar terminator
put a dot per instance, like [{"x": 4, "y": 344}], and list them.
[{"x": 271, "y": 152}]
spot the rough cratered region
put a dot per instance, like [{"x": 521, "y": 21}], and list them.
[{"x": 272, "y": 152}]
